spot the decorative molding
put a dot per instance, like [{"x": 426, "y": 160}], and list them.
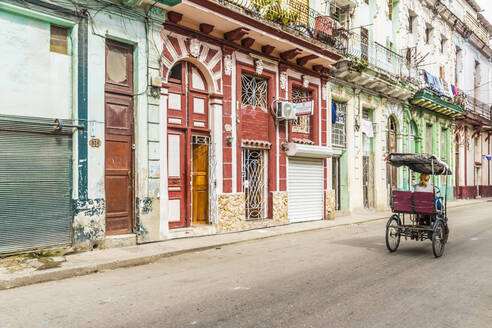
[
  {"x": 195, "y": 46},
  {"x": 256, "y": 144},
  {"x": 174, "y": 17},
  {"x": 290, "y": 54},
  {"x": 305, "y": 81},
  {"x": 283, "y": 80},
  {"x": 206, "y": 28},
  {"x": 267, "y": 49},
  {"x": 302, "y": 141},
  {"x": 259, "y": 66},
  {"x": 303, "y": 60},
  {"x": 247, "y": 42},
  {"x": 236, "y": 34},
  {"x": 227, "y": 65},
  {"x": 324, "y": 92}
]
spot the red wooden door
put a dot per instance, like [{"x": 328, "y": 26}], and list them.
[
  {"x": 177, "y": 178},
  {"x": 119, "y": 138},
  {"x": 187, "y": 163}
]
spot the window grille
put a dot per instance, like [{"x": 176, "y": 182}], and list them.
[
  {"x": 302, "y": 123},
  {"x": 338, "y": 129},
  {"x": 254, "y": 91},
  {"x": 254, "y": 183}
]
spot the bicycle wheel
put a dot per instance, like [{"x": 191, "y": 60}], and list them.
[
  {"x": 439, "y": 238},
  {"x": 392, "y": 234}
]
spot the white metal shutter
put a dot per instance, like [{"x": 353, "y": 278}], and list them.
[{"x": 306, "y": 189}]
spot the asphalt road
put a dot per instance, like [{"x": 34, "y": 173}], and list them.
[{"x": 342, "y": 277}]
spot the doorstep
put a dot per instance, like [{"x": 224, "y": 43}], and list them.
[{"x": 125, "y": 240}]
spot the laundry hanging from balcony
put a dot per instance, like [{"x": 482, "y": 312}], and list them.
[{"x": 438, "y": 85}]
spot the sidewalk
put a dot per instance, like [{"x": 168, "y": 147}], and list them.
[{"x": 31, "y": 271}]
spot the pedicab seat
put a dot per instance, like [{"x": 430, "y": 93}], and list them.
[{"x": 413, "y": 202}]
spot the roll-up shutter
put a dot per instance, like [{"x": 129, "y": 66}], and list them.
[
  {"x": 35, "y": 187},
  {"x": 306, "y": 189}
]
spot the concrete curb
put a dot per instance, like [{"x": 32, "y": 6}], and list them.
[{"x": 89, "y": 268}]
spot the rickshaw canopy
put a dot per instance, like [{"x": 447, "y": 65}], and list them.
[{"x": 421, "y": 163}]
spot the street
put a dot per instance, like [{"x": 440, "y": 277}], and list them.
[{"x": 340, "y": 277}]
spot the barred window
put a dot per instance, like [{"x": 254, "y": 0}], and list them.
[
  {"x": 254, "y": 91},
  {"x": 338, "y": 130},
  {"x": 302, "y": 123}
]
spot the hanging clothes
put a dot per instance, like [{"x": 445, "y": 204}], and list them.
[
  {"x": 367, "y": 129},
  {"x": 333, "y": 112}
]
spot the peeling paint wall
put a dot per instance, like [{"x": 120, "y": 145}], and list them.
[
  {"x": 127, "y": 26},
  {"x": 88, "y": 223}
]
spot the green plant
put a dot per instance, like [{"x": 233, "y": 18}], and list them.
[
  {"x": 275, "y": 12},
  {"x": 359, "y": 64}
]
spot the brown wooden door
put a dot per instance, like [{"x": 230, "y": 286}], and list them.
[
  {"x": 119, "y": 138},
  {"x": 199, "y": 176}
]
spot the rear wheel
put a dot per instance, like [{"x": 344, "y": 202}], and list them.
[
  {"x": 392, "y": 234},
  {"x": 439, "y": 239}
]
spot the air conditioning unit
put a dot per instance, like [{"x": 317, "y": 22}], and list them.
[{"x": 286, "y": 110}]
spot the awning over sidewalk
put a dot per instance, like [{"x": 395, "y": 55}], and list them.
[
  {"x": 310, "y": 151},
  {"x": 428, "y": 100}
]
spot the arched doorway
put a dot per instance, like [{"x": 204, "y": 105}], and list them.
[
  {"x": 391, "y": 146},
  {"x": 188, "y": 146}
]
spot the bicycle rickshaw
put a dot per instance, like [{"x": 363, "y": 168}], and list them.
[{"x": 419, "y": 215}]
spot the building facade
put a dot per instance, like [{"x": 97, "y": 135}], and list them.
[
  {"x": 157, "y": 120},
  {"x": 78, "y": 147}
]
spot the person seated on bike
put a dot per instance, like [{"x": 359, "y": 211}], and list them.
[{"x": 424, "y": 185}]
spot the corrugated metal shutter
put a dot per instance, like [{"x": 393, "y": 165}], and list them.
[
  {"x": 306, "y": 189},
  {"x": 35, "y": 188}
]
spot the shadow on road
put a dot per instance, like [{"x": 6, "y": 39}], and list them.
[{"x": 408, "y": 248}]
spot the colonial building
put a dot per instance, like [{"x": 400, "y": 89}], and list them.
[
  {"x": 233, "y": 161},
  {"x": 80, "y": 98},
  {"x": 473, "y": 73}
]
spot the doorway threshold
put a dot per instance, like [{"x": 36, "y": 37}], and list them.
[{"x": 195, "y": 230}]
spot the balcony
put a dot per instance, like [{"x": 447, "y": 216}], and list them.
[
  {"x": 377, "y": 57},
  {"x": 294, "y": 17},
  {"x": 476, "y": 107},
  {"x": 374, "y": 66}
]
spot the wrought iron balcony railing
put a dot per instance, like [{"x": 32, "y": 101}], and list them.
[
  {"x": 298, "y": 18},
  {"x": 295, "y": 17},
  {"x": 473, "y": 105},
  {"x": 378, "y": 57}
]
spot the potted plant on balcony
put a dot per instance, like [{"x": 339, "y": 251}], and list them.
[
  {"x": 358, "y": 64},
  {"x": 275, "y": 12}
]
